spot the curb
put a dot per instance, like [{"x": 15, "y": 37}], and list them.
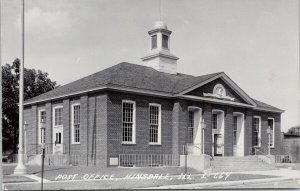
[{"x": 218, "y": 184}]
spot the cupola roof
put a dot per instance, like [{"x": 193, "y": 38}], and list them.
[{"x": 160, "y": 25}]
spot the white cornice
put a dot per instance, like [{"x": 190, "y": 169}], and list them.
[
  {"x": 160, "y": 54},
  {"x": 154, "y": 93},
  {"x": 269, "y": 110},
  {"x": 116, "y": 88},
  {"x": 223, "y": 102}
]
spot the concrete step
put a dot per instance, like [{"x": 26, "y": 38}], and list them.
[{"x": 236, "y": 164}]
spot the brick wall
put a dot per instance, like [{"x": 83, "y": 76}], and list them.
[
  {"x": 264, "y": 126},
  {"x": 207, "y": 115},
  {"x": 48, "y": 125},
  {"x": 228, "y": 132},
  {"x": 84, "y": 114},
  {"x": 179, "y": 126},
  {"x": 31, "y": 130},
  {"x": 66, "y": 125},
  {"x": 114, "y": 132},
  {"x": 97, "y": 129},
  {"x": 101, "y": 126}
]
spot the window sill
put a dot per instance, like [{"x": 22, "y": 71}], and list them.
[
  {"x": 155, "y": 144},
  {"x": 76, "y": 143},
  {"x": 128, "y": 143},
  {"x": 271, "y": 147}
]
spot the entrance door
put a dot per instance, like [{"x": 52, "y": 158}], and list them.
[
  {"x": 238, "y": 134},
  {"x": 235, "y": 138},
  {"x": 58, "y": 140},
  {"x": 218, "y": 145}
]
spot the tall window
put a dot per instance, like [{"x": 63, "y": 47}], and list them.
[
  {"x": 271, "y": 126},
  {"x": 76, "y": 123},
  {"x": 154, "y": 120},
  {"x": 42, "y": 121},
  {"x": 165, "y": 39},
  {"x": 58, "y": 116},
  {"x": 234, "y": 130},
  {"x": 191, "y": 127},
  {"x": 128, "y": 119},
  {"x": 215, "y": 121},
  {"x": 43, "y": 116},
  {"x": 154, "y": 41},
  {"x": 256, "y": 131}
]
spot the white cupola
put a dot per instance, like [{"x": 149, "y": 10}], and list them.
[{"x": 160, "y": 57}]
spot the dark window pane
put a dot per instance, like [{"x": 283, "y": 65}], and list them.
[
  {"x": 234, "y": 130},
  {"x": 154, "y": 41},
  {"x": 215, "y": 121},
  {"x": 165, "y": 41}
]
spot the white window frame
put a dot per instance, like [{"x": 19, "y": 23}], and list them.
[
  {"x": 39, "y": 125},
  {"x": 162, "y": 40},
  {"x": 53, "y": 116},
  {"x": 72, "y": 124},
  {"x": 259, "y": 129},
  {"x": 273, "y": 143},
  {"x": 191, "y": 129},
  {"x": 159, "y": 124},
  {"x": 151, "y": 44},
  {"x": 133, "y": 123}
]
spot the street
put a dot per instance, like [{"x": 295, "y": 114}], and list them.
[{"x": 281, "y": 184}]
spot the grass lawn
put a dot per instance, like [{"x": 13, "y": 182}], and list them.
[
  {"x": 32, "y": 169},
  {"x": 51, "y": 172},
  {"x": 173, "y": 178},
  {"x": 127, "y": 184},
  {"x": 15, "y": 179}
]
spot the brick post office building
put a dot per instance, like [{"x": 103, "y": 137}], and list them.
[{"x": 150, "y": 109}]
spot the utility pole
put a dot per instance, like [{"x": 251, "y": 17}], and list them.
[
  {"x": 20, "y": 168},
  {"x": 1, "y": 170},
  {"x": 43, "y": 156}
]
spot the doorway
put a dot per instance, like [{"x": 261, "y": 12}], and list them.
[
  {"x": 58, "y": 140},
  {"x": 195, "y": 140},
  {"x": 218, "y": 127},
  {"x": 238, "y": 134},
  {"x": 218, "y": 148}
]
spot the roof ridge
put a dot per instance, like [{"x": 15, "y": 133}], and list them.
[{"x": 195, "y": 77}]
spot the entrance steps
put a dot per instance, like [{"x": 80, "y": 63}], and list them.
[{"x": 238, "y": 164}]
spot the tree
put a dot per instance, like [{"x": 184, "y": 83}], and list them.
[
  {"x": 36, "y": 82},
  {"x": 295, "y": 131}
]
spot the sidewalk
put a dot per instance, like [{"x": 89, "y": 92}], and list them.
[
  {"x": 285, "y": 174},
  {"x": 235, "y": 179}
]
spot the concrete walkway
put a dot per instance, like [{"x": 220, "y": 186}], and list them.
[{"x": 36, "y": 178}]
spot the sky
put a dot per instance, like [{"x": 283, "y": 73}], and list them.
[{"x": 255, "y": 42}]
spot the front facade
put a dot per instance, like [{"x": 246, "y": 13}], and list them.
[{"x": 152, "y": 109}]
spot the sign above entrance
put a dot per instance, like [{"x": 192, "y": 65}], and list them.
[{"x": 219, "y": 92}]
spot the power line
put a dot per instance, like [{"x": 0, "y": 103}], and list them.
[{"x": 159, "y": 7}]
